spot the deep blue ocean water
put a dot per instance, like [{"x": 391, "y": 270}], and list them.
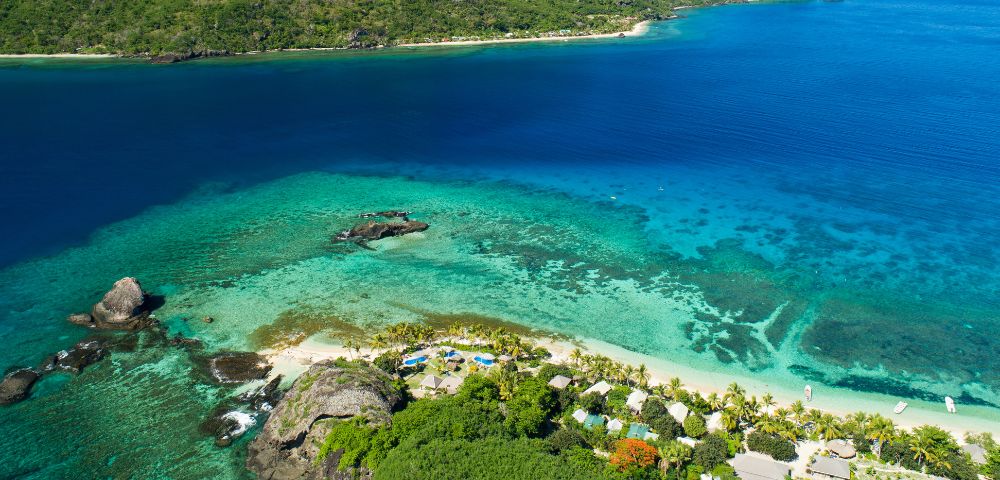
[{"x": 855, "y": 144}]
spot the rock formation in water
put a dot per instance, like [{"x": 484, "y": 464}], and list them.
[
  {"x": 17, "y": 385},
  {"x": 124, "y": 307},
  {"x": 287, "y": 446},
  {"x": 378, "y": 230},
  {"x": 231, "y": 419},
  {"x": 83, "y": 354},
  {"x": 237, "y": 367},
  {"x": 386, "y": 214}
]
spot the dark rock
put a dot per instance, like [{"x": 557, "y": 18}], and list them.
[
  {"x": 83, "y": 354},
  {"x": 185, "y": 342},
  {"x": 289, "y": 442},
  {"x": 17, "y": 386},
  {"x": 123, "y": 308},
  {"x": 264, "y": 398},
  {"x": 84, "y": 319},
  {"x": 232, "y": 418},
  {"x": 378, "y": 230},
  {"x": 208, "y": 319},
  {"x": 238, "y": 367},
  {"x": 386, "y": 214}
]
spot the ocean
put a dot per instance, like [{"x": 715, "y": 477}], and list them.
[{"x": 803, "y": 192}]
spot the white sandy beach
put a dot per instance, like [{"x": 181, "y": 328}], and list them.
[
  {"x": 292, "y": 361},
  {"x": 639, "y": 29}
]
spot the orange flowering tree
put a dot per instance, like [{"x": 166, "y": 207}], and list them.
[{"x": 631, "y": 453}]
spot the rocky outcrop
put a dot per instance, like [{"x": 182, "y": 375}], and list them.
[
  {"x": 74, "y": 360},
  {"x": 386, "y": 214},
  {"x": 17, "y": 386},
  {"x": 237, "y": 367},
  {"x": 231, "y": 419},
  {"x": 289, "y": 442},
  {"x": 125, "y": 307},
  {"x": 378, "y": 230}
]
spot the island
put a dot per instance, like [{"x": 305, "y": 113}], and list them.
[{"x": 167, "y": 31}]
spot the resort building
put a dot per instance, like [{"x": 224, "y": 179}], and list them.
[
  {"x": 431, "y": 382},
  {"x": 977, "y": 453},
  {"x": 637, "y": 430},
  {"x": 560, "y": 382},
  {"x": 826, "y": 468},
  {"x": 714, "y": 423},
  {"x": 593, "y": 421},
  {"x": 757, "y": 468},
  {"x": 636, "y": 399},
  {"x": 615, "y": 425},
  {"x": 601, "y": 387},
  {"x": 580, "y": 415},
  {"x": 451, "y": 384},
  {"x": 679, "y": 411},
  {"x": 841, "y": 448}
]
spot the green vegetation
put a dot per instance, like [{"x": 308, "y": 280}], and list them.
[
  {"x": 777, "y": 447},
  {"x": 195, "y": 28}
]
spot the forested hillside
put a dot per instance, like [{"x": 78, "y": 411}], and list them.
[{"x": 198, "y": 27}]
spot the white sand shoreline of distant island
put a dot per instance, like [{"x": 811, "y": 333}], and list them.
[
  {"x": 292, "y": 361},
  {"x": 639, "y": 29}
]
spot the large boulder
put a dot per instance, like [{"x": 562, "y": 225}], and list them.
[
  {"x": 124, "y": 307},
  {"x": 237, "y": 367},
  {"x": 373, "y": 230},
  {"x": 17, "y": 386},
  {"x": 289, "y": 442}
]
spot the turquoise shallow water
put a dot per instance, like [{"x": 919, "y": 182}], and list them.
[{"x": 803, "y": 192}]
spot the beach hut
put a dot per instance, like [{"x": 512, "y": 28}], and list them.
[
  {"x": 637, "y": 430},
  {"x": 841, "y": 448},
  {"x": 977, "y": 452},
  {"x": 714, "y": 423},
  {"x": 431, "y": 382},
  {"x": 757, "y": 468},
  {"x": 560, "y": 382},
  {"x": 615, "y": 425},
  {"x": 826, "y": 468},
  {"x": 593, "y": 421},
  {"x": 679, "y": 411},
  {"x": 580, "y": 415},
  {"x": 636, "y": 399},
  {"x": 451, "y": 384},
  {"x": 601, "y": 388},
  {"x": 650, "y": 436}
]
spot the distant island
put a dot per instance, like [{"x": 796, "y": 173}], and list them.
[{"x": 168, "y": 30}]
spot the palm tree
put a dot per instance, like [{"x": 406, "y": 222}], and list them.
[
  {"x": 798, "y": 412},
  {"x": 734, "y": 390},
  {"x": 627, "y": 373},
  {"x": 880, "y": 431},
  {"x": 674, "y": 388},
  {"x": 378, "y": 341},
  {"x": 674, "y": 454},
  {"x": 828, "y": 427},
  {"x": 767, "y": 401},
  {"x": 730, "y": 420},
  {"x": 715, "y": 402},
  {"x": 642, "y": 374},
  {"x": 576, "y": 356}
]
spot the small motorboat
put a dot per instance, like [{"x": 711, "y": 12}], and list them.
[
  {"x": 809, "y": 393},
  {"x": 900, "y": 407},
  {"x": 949, "y": 403}
]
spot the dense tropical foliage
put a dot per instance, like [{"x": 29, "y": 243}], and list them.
[{"x": 198, "y": 27}]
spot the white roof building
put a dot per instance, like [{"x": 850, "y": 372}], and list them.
[
  {"x": 714, "y": 423},
  {"x": 601, "y": 387},
  {"x": 560, "y": 382},
  {"x": 977, "y": 452},
  {"x": 827, "y": 468},
  {"x": 651, "y": 436},
  {"x": 451, "y": 384},
  {"x": 679, "y": 411},
  {"x": 431, "y": 382},
  {"x": 615, "y": 425},
  {"x": 580, "y": 415},
  {"x": 636, "y": 399},
  {"x": 756, "y": 468}
]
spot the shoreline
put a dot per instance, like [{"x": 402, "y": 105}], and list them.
[
  {"x": 639, "y": 29},
  {"x": 292, "y": 361}
]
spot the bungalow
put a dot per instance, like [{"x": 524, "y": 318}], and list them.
[
  {"x": 615, "y": 425},
  {"x": 593, "y": 421},
  {"x": 560, "y": 382},
  {"x": 756, "y": 468},
  {"x": 679, "y": 411},
  {"x": 826, "y": 468},
  {"x": 636, "y": 399},
  {"x": 714, "y": 423},
  {"x": 580, "y": 415},
  {"x": 451, "y": 384},
  {"x": 601, "y": 388},
  {"x": 431, "y": 382},
  {"x": 841, "y": 448},
  {"x": 637, "y": 430},
  {"x": 650, "y": 436},
  {"x": 977, "y": 453}
]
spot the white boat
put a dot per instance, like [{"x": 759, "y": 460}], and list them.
[
  {"x": 949, "y": 404},
  {"x": 809, "y": 393},
  {"x": 900, "y": 407}
]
